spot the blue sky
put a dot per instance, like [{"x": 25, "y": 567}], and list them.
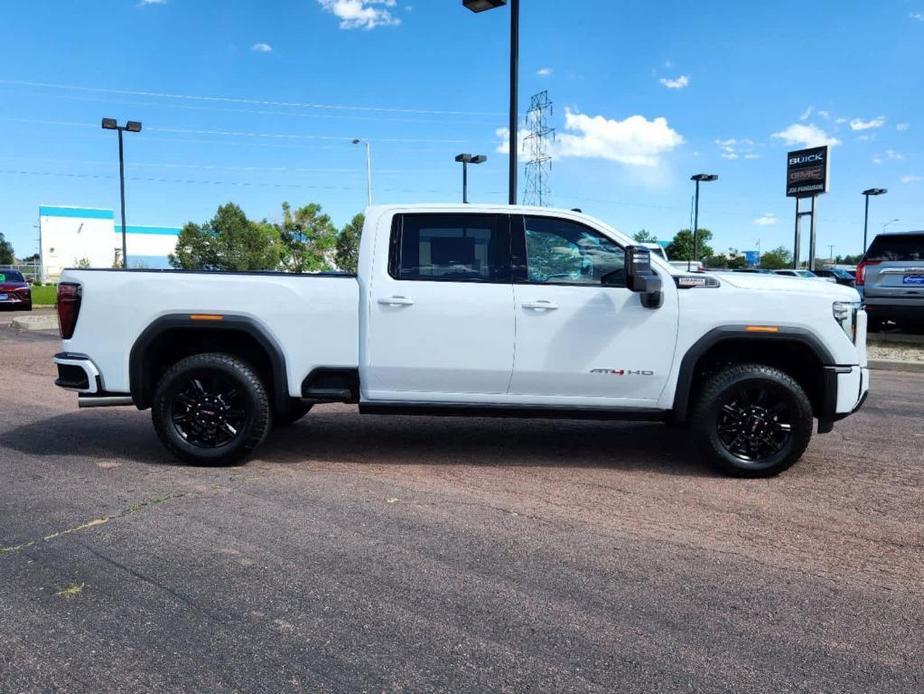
[{"x": 258, "y": 102}]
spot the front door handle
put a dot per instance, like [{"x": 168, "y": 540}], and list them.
[
  {"x": 540, "y": 305},
  {"x": 396, "y": 301}
]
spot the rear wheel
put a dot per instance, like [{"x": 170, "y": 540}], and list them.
[
  {"x": 211, "y": 409},
  {"x": 752, "y": 420}
]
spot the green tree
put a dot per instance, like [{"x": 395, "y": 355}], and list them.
[
  {"x": 348, "y": 244},
  {"x": 681, "y": 248},
  {"x": 644, "y": 236},
  {"x": 739, "y": 261},
  {"x": 309, "y": 238},
  {"x": 6, "y": 252},
  {"x": 777, "y": 259},
  {"x": 229, "y": 242}
]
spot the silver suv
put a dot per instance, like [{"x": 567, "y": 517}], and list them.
[{"x": 891, "y": 279}]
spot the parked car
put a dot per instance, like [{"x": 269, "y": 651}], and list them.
[
  {"x": 15, "y": 292},
  {"x": 478, "y": 311},
  {"x": 803, "y": 274},
  {"x": 839, "y": 275},
  {"x": 891, "y": 276},
  {"x": 656, "y": 249}
]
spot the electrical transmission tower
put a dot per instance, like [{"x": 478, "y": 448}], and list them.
[{"x": 538, "y": 144}]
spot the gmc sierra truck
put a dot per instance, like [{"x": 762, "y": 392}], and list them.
[{"x": 474, "y": 311}]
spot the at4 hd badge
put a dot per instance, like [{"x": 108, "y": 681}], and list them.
[{"x": 621, "y": 372}]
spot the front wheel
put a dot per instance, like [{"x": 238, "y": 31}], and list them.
[
  {"x": 752, "y": 420},
  {"x": 211, "y": 409}
]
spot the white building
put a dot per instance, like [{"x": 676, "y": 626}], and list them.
[{"x": 72, "y": 236}]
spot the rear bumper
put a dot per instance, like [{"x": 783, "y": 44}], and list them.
[
  {"x": 846, "y": 388},
  {"x": 78, "y": 373},
  {"x": 894, "y": 308}
]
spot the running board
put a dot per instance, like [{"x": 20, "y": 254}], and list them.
[{"x": 104, "y": 400}]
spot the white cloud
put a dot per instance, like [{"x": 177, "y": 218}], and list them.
[
  {"x": 860, "y": 124},
  {"x": 840, "y": 121},
  {"x": 544, "y": 71},
  {"x": 676, "y": 83},
  {"x": 635, "y": 140},
  {"x": 143, "y": 3},
  {"x": 808, "y": 135},
  {"x": 912, "y": 179},
  {"x": 766, "y": 219},
  {"x": 917, "y": 15},
  {"x": 362, "y": 14},
  {"x": 261, "y": 48},
  {"x": 733, "y": 148},
  {"x": 902, "y": 127},
  {"x": 807, "y": 113}
]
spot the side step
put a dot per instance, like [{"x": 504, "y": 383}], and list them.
[{"x": 331, "y": 385}]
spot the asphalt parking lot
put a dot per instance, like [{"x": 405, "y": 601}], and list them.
[{"x": 415, "y": 554}]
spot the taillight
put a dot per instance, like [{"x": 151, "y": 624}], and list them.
[
  {"x": 68, "y": 308},
  {"x": 861, "y": 270}
]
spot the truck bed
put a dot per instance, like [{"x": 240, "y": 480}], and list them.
[{"x": 314, "y": 318}]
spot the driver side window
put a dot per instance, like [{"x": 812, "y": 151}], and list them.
[{"x": 563, "y": 252}]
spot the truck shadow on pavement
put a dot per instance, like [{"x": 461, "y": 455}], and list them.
[{"x": 346, "y": 437}]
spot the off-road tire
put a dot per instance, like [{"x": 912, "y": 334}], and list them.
[
  {"x": 708, "y": 410},
  {"x": 252, "y": 395}
]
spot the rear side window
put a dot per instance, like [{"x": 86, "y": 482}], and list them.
[
  {"x": 897, "y": 247},
  {"x": 448, "y": 247}
]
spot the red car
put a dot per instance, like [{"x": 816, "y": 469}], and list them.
[{"x": 14, "y": 290}]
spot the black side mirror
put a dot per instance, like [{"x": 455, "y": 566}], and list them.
[{"x": 640, "y": 278}]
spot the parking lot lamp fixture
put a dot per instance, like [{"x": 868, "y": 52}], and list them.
[
  {"x": 698, "y": 178},
  {"x": 132, "y": 126},
  {"x": 866, "y": 194},
  {"x": 465, "y": 160}
]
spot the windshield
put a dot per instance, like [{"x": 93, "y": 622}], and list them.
[
  {"x": 11, "y": 276},
  {"x": 897, "y": 247}
]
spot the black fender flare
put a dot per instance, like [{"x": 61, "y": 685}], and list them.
[
  {"x": 227, "y": 323},
  {"x": 737, "y": 332}
]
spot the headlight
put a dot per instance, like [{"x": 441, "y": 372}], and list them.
[{"x": 845, "y": 313}]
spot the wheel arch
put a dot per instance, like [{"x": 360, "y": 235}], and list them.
[
  {"x": 157, "y": 348},
  {"x": 797, "y": 351}
]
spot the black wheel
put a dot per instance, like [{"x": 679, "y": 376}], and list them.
[
  {"x": 294, "y": 412},
  {"x": 211, "y": 409},
  {"x": 752, "y": 420}
]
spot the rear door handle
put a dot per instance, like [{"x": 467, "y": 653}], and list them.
[
  {"x": 396, "y": 301},
  {"x": 540, "y": 305}
]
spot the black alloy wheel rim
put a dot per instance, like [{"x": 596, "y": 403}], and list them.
[
  {"x": 210, "y": 411},
  {"x": 754, "y": 423}
]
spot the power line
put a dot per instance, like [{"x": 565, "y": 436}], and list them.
[
  {"x": 239, "y": 100},
  {"x": 242, "y": 133},
  {"x": 261, "y": 112}
]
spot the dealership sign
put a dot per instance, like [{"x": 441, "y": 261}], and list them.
[{"x": 807, "y": 172}]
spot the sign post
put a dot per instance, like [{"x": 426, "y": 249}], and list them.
[{"x": 806, "y": 177}]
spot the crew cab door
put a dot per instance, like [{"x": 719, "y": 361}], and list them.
[
  {"x": 579, "y": 342},
  {"x": 440, "y": 310}
]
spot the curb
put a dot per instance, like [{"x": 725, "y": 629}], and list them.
[
  {"x": 49, "y": 321},
  {"x": 896, "y": 365},
  {"x": 894, "y": 339}
]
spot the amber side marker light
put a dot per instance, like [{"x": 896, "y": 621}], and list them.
[
  {"x": 206, "y": 316},
  {"x": 762, "y": 329}
]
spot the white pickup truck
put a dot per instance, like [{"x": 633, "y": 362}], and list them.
[{"x": 477, "y": 311}]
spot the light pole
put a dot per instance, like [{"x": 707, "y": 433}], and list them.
[
  {"x": 891, "y": 221},
  {"x": 357, "y": 141},
  {"x": 866, "y": 194},
  {"x": 465, "y": 160},
  {"x": 132, "y": 126},
  {"x": 698, "y": 178},
  {"x": 481, "y": 6}
]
